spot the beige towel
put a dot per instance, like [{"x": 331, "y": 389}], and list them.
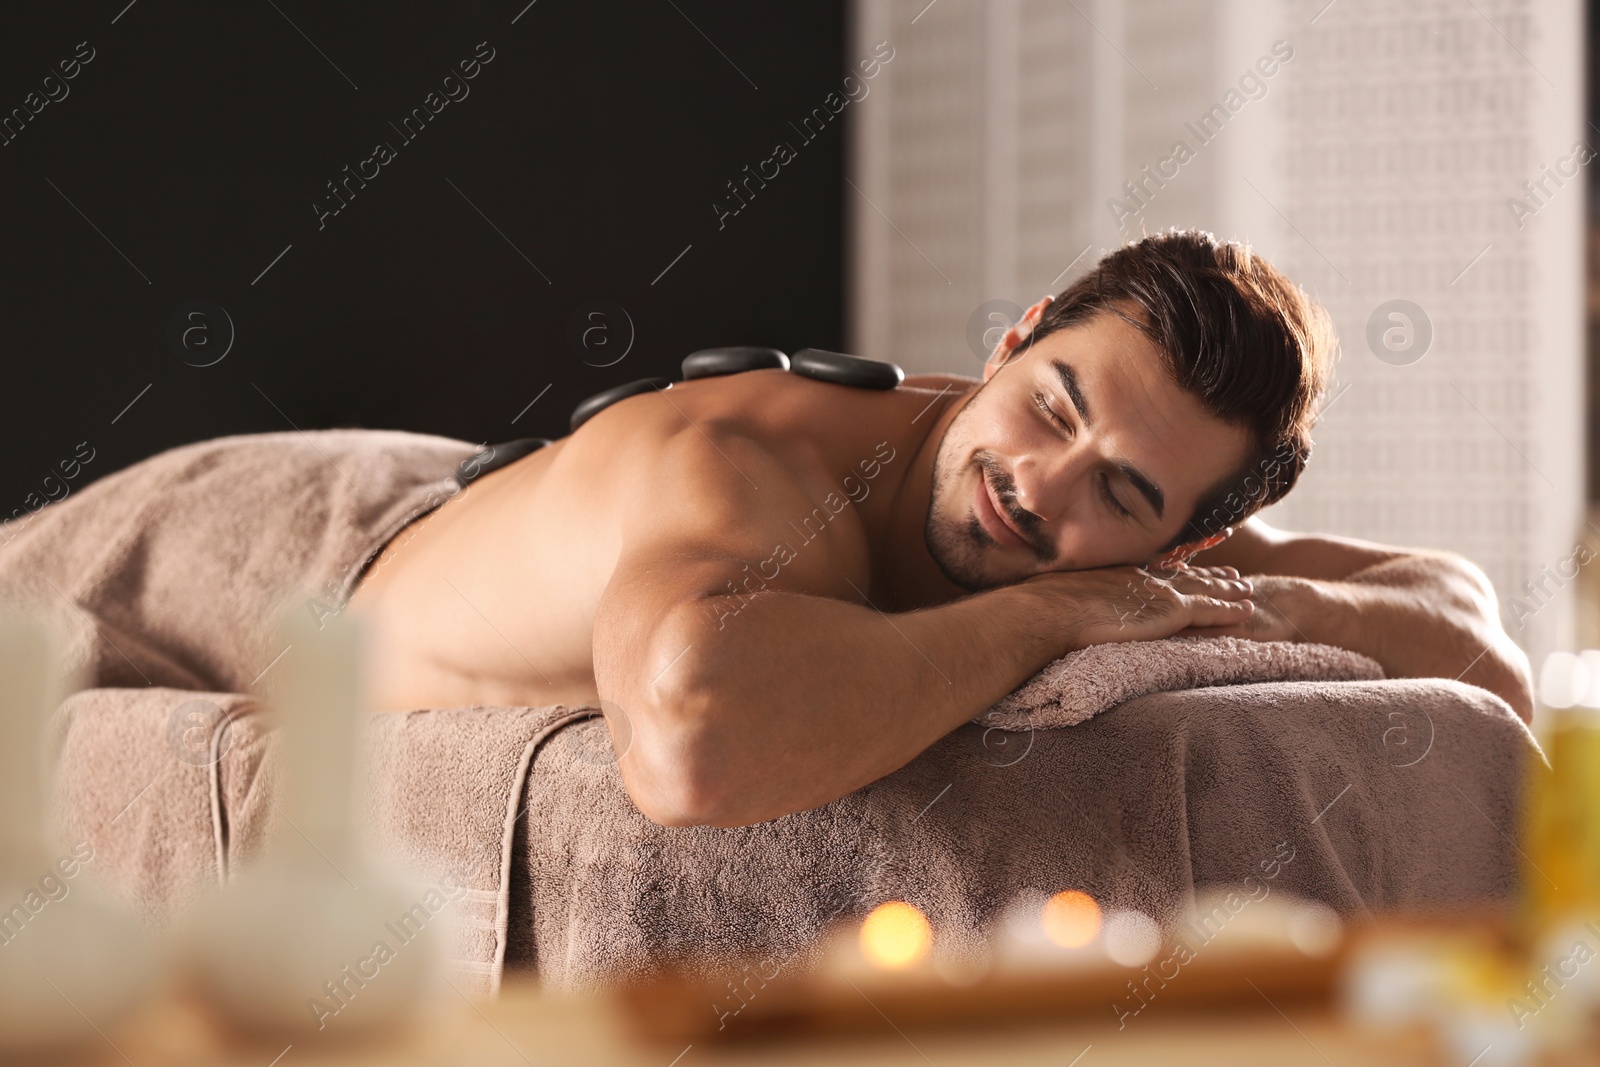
[
  {"x": 1100, "y": 677},
  {"x": 1367, "y": 796},
  {"x": 168, "y": 577},
  {"x": 169, "y": 573}
]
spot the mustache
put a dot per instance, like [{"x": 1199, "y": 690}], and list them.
[{"x": 1005, "y": 490}]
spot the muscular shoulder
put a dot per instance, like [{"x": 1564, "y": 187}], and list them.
[{"x": 735, "y": 469}]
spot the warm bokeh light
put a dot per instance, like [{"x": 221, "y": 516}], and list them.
[
  {"x": 1590, "y": 658},
  {"x": 1563, "y": 681},
  {"x": 1132, "y": 938},
  {"x": 896, "y": 935},
  {"x": 1071, "y": 919}
]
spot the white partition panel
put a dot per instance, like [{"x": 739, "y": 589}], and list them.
[{"x": 1430, "y": 153}]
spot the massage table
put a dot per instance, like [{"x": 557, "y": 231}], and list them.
[{"x": 1368, "y": 795}]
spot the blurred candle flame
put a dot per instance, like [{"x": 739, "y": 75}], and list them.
[
  {"x": 895, "y": 935},
  {"x": 1071, "y": 918}
]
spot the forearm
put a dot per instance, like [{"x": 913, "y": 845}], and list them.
[
  {"x": 797, "y": 700},
  {"x": 1419, "y": 616}
]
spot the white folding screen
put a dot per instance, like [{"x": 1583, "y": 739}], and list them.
[{"x": 1418, "y": 167}]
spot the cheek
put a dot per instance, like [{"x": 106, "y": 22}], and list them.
[
  {"x": 999, "y": 420},
  {"x": 1011, "y": 423},
  {"x": 951, "y": 484},
  {"x": 955, "y": 452}
]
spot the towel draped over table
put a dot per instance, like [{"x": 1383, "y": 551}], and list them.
[{"x": 166, "y": 577}]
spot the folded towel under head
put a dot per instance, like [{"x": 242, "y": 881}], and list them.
[{"x": 1084, "y": 683}]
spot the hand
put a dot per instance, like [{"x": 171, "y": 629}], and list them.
[
  {"x": 1277, "y": 600},
  {"x": 1137, "y": 604}
]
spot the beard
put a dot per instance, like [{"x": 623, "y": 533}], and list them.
[
  {"x": 957, "y": 546},
  {"x": 958, "y": 543}
]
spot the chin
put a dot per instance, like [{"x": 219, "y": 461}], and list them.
[
  {"x": 957, "y": 541},
  {"x": 964, "y": 552}
]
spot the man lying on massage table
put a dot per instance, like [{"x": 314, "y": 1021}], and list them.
[{"x": 789, "y": 589}]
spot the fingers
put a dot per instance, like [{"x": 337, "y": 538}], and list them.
[
  {"x": 1213, "y": 611},
  {"x": 1180, "y": 567},
  {"x": 1218, "y": 572},
  {"x": 1199, "y": 583}
]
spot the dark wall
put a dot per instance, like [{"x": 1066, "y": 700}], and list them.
[{"x": 189, "y": 153}]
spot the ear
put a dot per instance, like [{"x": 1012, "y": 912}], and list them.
[
  {"x": 1181, "y": 554},
  {"x": 1013, "y": 337}
]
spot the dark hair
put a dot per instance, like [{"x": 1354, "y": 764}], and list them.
[{"x": 1237, "y": 334}]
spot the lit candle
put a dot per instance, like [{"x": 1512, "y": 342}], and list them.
[
  {"x": 1071, "y": 919},
  {"x": 896, "y": 935}
]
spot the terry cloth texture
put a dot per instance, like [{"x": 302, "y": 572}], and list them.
[
  {"x": 167, "y": 577},
  {"x": 1397, "y": 794},
  {"x": 1100, "y": 677}
]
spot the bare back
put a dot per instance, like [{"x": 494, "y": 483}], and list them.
[{"x": 780, "y": 479}]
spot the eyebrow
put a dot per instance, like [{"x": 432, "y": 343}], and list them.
[{"x": 1148, "y": 489}]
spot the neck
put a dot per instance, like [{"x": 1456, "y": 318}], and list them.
[{"x": 905, "y": 575}]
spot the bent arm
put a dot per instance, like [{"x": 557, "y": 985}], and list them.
[
  {"x": 777, "y": 702},
  {"x": 757, "y": 683},
  {"x": 1420, "y": 614}
]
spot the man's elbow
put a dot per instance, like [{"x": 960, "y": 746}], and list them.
[
  {"x": 667, "y": 803},
  {"x": 680, "y": 792},
  {"x": 675, "y": 770},
  {"x": 660, "y": 769},
  {"x": 1506, "y": 669},
  {"x": 1515, "y": 681},
  {"x": 1497, "y": 663},
  {"x": 684, "y": 778}
]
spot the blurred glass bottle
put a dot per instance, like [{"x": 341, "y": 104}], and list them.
[{"x": 1561, "y": 814}]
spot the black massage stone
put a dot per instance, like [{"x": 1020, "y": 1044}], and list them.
[
  {"x": 600, "y": 401},
  {"x": 836, "y": 367},
  {"x": 710, "y": 362},
  {"x": 483, "y": 462}
]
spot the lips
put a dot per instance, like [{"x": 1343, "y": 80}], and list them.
[{"x": 993, "y": 519}]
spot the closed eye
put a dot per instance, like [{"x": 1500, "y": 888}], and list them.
[
  {"x": 1110, "y": 498},
  {"x": 1043, "y": 404}
]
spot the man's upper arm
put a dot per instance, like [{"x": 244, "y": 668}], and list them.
[
  {"x": 714, "y": 512},
  {"x": 709, "y": 516},
  {"x": 1257, "y": 548}
]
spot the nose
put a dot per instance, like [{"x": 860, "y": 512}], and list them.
[{"x": 1047, "y": 480}]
